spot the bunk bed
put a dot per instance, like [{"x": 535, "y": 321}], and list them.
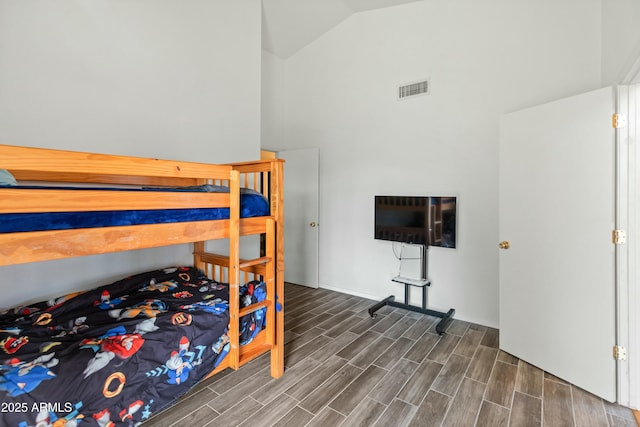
[{"x": 148, "y": 338}]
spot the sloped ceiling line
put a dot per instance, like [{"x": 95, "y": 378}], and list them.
[{"x": 289, "y": 25}]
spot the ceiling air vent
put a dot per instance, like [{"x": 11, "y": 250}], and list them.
[{"x": 413, "y": 89}]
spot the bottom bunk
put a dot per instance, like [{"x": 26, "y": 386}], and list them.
[{"x": 117, "y": 354}]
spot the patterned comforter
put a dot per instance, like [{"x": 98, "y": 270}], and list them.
[{"x": 113, "y": 355}]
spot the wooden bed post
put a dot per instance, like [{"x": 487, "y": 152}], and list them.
[
  {"x": 234, "y": 269},
  {"x": 198, "y": 250},
  {"x": 269, "y": 279},
  {"x": 277, "y": 210},
  {"x": 199, "y": 247}
]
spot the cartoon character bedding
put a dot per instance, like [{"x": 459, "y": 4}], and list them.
[{"x": 116, "y": 354}]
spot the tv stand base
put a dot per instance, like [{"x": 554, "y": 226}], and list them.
[
  {"x": 446, "y": 318},
  {"x": 423, "y": 283}
]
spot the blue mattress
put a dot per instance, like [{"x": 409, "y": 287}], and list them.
[{"x": 252, "y": 204}]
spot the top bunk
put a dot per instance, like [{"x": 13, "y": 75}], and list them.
[{"x": 69, "y": 204}]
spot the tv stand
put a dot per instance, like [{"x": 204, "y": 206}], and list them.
[{"x": 423, "y": 283}]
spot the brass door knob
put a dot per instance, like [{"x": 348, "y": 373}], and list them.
[
  {"x": 312, "y": 224},
  {"x": 504, "y": 245}
]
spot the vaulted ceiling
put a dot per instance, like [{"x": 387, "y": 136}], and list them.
[{"x": 289, "y": 25}]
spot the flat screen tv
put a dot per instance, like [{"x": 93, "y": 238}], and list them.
[{"x": 419, "y": 220}]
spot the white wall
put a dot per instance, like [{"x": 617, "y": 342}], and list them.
[
  {"x": 483, "y": 59},
  {"x": 176, "y": 79},
  {"x": 272, "y": 103},
  {"x": 620, "y": 40}
]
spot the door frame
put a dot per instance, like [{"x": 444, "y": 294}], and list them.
[
  {"x": 623, "y": 262},
  {"x": 628, "y": 374},
  {"x": 628, "y": 103},
  {"x": 277, "y": 152}
]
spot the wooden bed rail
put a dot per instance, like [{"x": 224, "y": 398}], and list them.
[
  {"x": 47, "y": 200},
  {"x": 39, "y": 164}
]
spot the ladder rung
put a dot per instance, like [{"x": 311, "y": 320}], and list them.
[
  {"x": 256, "y": 261},
  {"x": 254, "y": 307}
]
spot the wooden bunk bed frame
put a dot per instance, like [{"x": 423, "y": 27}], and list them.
[{"x": 265, "y": 176}]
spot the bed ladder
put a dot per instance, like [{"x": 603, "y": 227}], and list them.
[{"x": 264, "y": 267}]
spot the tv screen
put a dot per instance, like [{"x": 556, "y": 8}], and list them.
[{"x": 419, "y": 220}]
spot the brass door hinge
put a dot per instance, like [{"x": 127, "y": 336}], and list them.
[
  {"x": 619, "y": 237},
  {"x": 618, "y": 121},
  {"x": 619, "y": 352}
]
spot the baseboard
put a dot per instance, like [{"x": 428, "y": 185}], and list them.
[{"x": 350, "y": 292}]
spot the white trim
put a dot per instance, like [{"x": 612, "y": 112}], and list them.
[
  {"x": 622, "y": 251},
  {"x": 633, "y": 247},
  {"x": 373, "y": 298},
  {"x": 628, "y": 218}
]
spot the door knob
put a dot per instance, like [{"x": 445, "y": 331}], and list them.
[
  {"x": 504, "y": 244},
  {"x": 312, "y": 224}
]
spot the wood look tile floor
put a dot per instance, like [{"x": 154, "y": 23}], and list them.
[{"x": 343, "y": 368}]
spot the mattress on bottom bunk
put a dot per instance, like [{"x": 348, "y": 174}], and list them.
[
  {"x": 118, "y": 353},
  {"x": 252, "y": 204}
]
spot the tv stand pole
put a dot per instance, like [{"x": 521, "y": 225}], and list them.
[{"x": 423, "y": 283}]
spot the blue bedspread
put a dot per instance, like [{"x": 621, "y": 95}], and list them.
[{"x": 252, "y": 204}]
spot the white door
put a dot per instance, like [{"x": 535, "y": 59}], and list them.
[
  {"x": 301, "y": 183},
  {"x": 557, "y": 211}
]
